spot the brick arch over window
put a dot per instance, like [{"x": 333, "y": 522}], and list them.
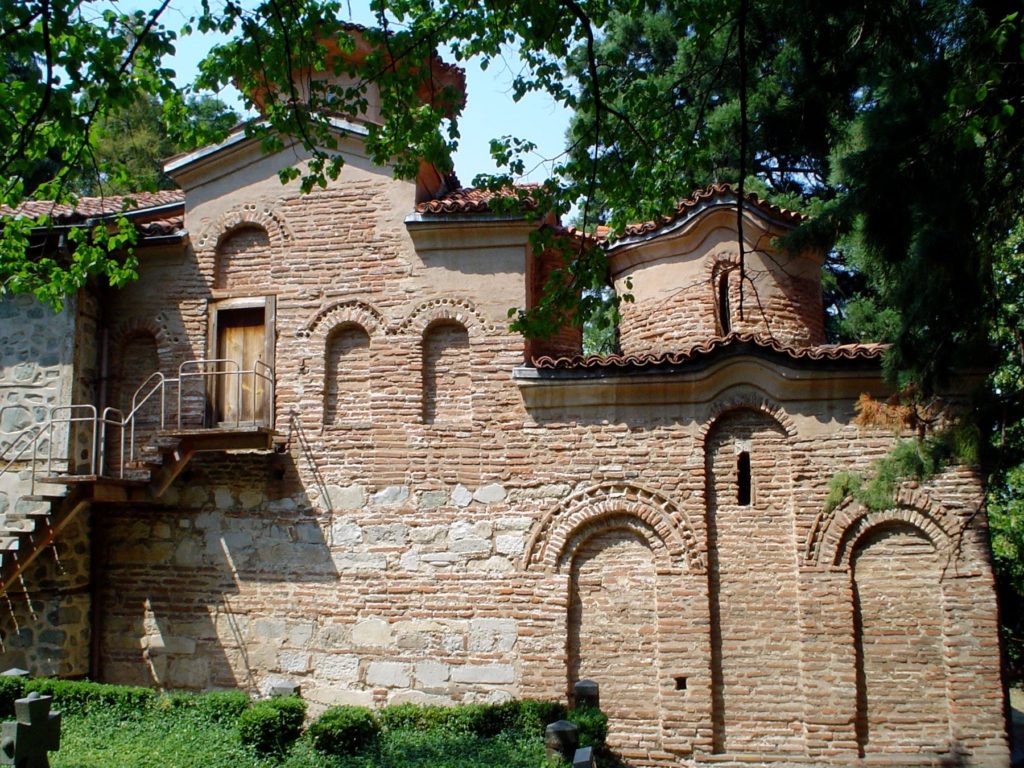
[
  {"x": 745, "y": 402},
  {"x": 460, "y": 311},
  {"x": 647, "y": 513},
  {"x": 136, "y": 327},
  {"x": 833, "y": 539},
  {"x": 349, "y": 312},
  {"x": 249, "y": 215}
]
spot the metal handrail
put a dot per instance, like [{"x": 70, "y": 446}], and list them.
[
  {"x": 259, "y": 372},
  {"x": 137, "y": 404},
  {"x": 113, "y": 418},
  {"x": 105, "y": 420},
  {"x": 37, "y": 429},
  {"x": 70, "y": 419}
]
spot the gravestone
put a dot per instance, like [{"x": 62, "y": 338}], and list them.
[
  {"x": 285, "y": 689},
  {"x": 25, "y": 742},
  {"x": 561, "y": 739},
  {"x": 585, "y": 693},
  {"x": 584, "y": 758}
]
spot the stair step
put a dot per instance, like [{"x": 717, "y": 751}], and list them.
[
  {"x": 143, "y": 466},
  {"x": 41, "y": 498}
]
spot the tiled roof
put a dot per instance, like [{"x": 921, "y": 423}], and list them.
[
  {"x": 701, "y": 196},
  {"x": 472, "y": 200},
  {"x": 828, "y": 352},
  {"x": 91, "y": 207},
  {"x": 160, "y": 222}
]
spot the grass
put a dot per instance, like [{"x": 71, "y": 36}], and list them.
[{"x": 165, "y": 736}]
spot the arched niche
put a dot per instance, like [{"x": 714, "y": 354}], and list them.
[
  {"x": 447, "y": 381},
  {"x": 348, "y": 381},
  {"x": 899, "y": 640},
  {"x": 242, "y": 258},
  {"x": 753, "y": 588}
]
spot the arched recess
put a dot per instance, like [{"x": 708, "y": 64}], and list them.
[
  {"x": 636, "y": 606},
  {"x": 613, "y": 625},
  {"x": 595, "y": 505},
  {"x": 139, "y": 348},
  {"x": 447, "y": 381},
  {"x": 459, "y": 311},
  {"x": 348, "y": 382},
  {"x": 899, "y": 639},
  {"x": 753, "y": 588},
  {"x": 243, "y": 223},
  {"x": 242, "y": 259},
  {"x": 833, "y": 536},
  {"x": 334, "y": 332}
]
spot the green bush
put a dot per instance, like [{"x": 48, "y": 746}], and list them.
[
  {"x": 212, "y": 707},
  {"x": 224, "y": 706},
  {"x": 272, "y": 726},
  {"x": 74, "y": 696},
  {"x": 535, "y": 715},
  {"x": 411, "y": 717},
  {"x": 593, "y": 726},
  {"x": 344, "y": 731},
  {"x": 11, "y": 688},
  {"x": 486, "y": 720}
]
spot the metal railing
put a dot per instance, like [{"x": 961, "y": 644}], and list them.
[
  {"x": 111, "y": 435},
  {"x": 227, "y": 371},
  {"x": 44, "y": 433}
]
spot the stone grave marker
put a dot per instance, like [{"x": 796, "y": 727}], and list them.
[
  {"x": 584, "y": 758},
  {"x": 35, "y": 732},
  {"x": 586, "y": 693},
  {"x": 561, "y": 739}
]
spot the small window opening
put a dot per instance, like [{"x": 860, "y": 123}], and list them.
[
  {"x": 680, "y": 683},
  {"x": 723, "y": 302},
  {"x": 743, "y": 479}
]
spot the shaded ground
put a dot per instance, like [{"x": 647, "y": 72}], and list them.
[{"x": 1017, "y": 737}]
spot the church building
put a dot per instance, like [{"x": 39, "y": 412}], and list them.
[{"x": 304, "y": 447}]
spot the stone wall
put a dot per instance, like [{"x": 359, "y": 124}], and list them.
[{"x": 48, "y": 360}]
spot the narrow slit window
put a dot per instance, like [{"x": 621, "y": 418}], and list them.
[
  {"x": 743, "y": 479},
  {"x": 723, "y": 302}
]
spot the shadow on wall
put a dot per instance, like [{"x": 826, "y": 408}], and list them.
[{"x": 208, "y": 590}]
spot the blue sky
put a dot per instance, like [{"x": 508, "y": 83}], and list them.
[{"x": 490, "y": 110}]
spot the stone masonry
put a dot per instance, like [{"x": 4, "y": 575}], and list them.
[{"x": 448, "y": 520}]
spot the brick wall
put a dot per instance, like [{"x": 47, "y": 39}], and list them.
[{"x": 679, "y": 300}]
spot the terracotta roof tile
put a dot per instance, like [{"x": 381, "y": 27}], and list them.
[
  {"x": 701, "y": 196},
  {"x": 829, "y": 352},
  {"x": 159, "y": 223},
  {"x": 472, "y": 200},
  {"x": 90, "y": 207}
]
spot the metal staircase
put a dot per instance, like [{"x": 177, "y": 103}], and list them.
[{"x": 126, "y": 458}]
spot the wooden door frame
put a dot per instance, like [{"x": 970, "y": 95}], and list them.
[{"x": 269, "y": 306}]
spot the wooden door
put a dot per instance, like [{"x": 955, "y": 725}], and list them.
[{"x": 241, "y": 396}]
